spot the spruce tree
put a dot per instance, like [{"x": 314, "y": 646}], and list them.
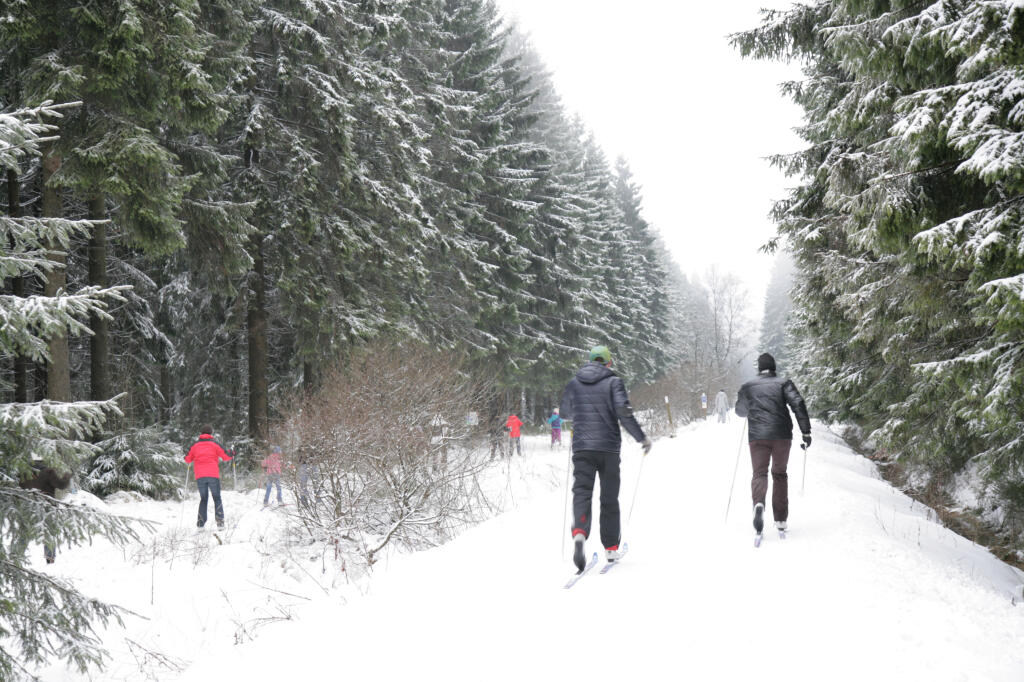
[
  {"x": 906, "y": 226},
  {"x": 42, "y": 618}
]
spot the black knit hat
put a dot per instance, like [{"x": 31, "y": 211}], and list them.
[{"x": 765, "y": 361}]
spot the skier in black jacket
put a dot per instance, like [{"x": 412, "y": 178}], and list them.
[
  {"x": 596, "y": 401},
  {"x": 763, "y": 401}
]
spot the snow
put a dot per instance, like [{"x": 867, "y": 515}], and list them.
[{"x": 867, "y": 586}]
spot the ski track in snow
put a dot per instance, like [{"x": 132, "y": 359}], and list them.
[{"x": 866, "y": 586}]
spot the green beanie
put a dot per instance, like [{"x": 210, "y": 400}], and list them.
[{"x": 601, "y": 354}]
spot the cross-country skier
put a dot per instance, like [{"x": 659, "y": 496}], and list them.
[
  {"x": 272, "y": 464},
  {"x": 596, "y": 402},
  {"x": 204, "y": 455},
  {"x": 513, "y": 426},
  {"x": 722, "y": 405},
  {"x": 555, "y": 421},
  {"x": 763, "y": 401}
]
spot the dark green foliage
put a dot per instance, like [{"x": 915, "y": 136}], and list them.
[
  {"x": 40, "y": 617},
  {"x": 907, "y": 225}
]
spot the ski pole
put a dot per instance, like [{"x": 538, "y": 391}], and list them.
[
  {"x": 632, "y": 503},
  {"x": 184, "y": 497},
  {"x": 735, "y": 469},
  {"x": 803, "y": 477}
]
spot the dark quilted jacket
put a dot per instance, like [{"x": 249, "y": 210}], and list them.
[
  {"x": 763, "y": 402},
  {"x": 596, "y": 401}
]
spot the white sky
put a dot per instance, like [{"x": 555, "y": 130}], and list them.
[{"x": 658, "y": 83}]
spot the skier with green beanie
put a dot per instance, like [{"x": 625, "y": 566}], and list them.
[{"x": 596, "y": 401}]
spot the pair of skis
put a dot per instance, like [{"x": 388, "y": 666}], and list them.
[
  {"x": 593, "y": 562},
  {"x": 760, "y": 536}
]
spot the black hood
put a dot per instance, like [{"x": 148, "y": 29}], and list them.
[{"x": 592, "y": 372}]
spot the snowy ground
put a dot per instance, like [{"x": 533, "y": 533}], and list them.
[{"x": 867, "y": 586}]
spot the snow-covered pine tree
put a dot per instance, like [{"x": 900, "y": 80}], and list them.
[
  {"x": 643, "y": 270},
  {"x": 42, "y": 618},
  {"x": 559, "y": 291},
  {"x": 907, "y": 225},
  {"x": 476, "y": 102}
]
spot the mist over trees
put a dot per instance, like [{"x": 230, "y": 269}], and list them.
[
  {"x": 778, "y": 311},
  {"x": 906, "y": 228}
]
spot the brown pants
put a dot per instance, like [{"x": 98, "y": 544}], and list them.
[{"x": 776, "y": 453}]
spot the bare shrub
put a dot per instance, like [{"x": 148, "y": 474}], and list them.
[{"x": 383, "y": 452}]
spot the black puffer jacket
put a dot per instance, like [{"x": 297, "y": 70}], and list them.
[
  {"x": 763, "y": 402},
  {"x": 596, "y": 401}
]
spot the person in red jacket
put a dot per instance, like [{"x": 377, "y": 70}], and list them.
[
  {"x": 205, "y": 454},
  {"x": 513, "y": 426}
]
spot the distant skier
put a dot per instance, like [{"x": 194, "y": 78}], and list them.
[
  {"x": 514, "y": 425},
  {"x": 555, "y": 421},
  {"x": 52, "y": 484},
  {"x": 272, "y": 464},
  {"x": 596, "y": 402},
  {"x": 763, "y": 401},
  {"x": 205, "y": 454},
  {"x": 704, "y": 403},
  {"x": 722, "y": 406}
]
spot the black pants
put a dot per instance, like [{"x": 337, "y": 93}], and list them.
[
  {"x": 774, "y": 453},
  {"x": 586, "y": 466},
  {"x": 209, "y": 485}
]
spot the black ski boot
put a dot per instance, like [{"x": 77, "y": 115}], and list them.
[
  {"x": 578, "y": 556},
  {"x": 758, "y": 517}
]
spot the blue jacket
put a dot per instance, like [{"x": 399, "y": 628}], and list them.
[
  {"x": 596, "y": 401},
  {"x": 555, "y": 421}
]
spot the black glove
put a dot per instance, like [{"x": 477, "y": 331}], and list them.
[
  {"x": 807, "y": 441},
  {"x": 646, "y": 445}
]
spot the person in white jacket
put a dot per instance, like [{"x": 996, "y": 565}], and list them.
[{"x": 722, "y": 406}]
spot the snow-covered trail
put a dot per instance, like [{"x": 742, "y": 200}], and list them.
[{"x": 865, "y": 587}]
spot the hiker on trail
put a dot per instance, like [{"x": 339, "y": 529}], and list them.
[
  {"x": 52, "y": 484},
  {"x": 596, "y": 402},
  {"x": 555, "y": 421},
  {"x": 204, "y": 455},
  {"x": 722, "y": 406},
  {"x": 513, "y": 426},
  {"x": 272, "y": 464},
  {"x": 763, "y": 401}
]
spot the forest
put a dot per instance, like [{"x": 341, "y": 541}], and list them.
[
  {"x": 307, "y": 223},
  {"x": 905, "y": 227}
]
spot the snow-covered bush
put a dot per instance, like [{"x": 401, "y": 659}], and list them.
[
  {"x": 143, "y": 460},
  {"x": 384, "y": 452}
]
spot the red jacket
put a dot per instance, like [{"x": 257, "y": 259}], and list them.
[
  {"x": 272, "y": 463},
  {"x": 513, "y": 424},
  {"x": 204, "y": 454}
]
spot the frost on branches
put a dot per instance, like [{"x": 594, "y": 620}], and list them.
[
  {"x": 42, "y": 618},
  {"x": 907, "y": 224}
]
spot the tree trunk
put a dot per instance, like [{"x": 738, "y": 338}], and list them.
[
  {"x": 308, "y": 377},
  {"x": 21, "y": 363},
  {"x": 257, "y": 319},
  {"x": 99, "y": 343},
  {"x": 165, "y": 389},
  {"x": 58, "y": 370}
]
